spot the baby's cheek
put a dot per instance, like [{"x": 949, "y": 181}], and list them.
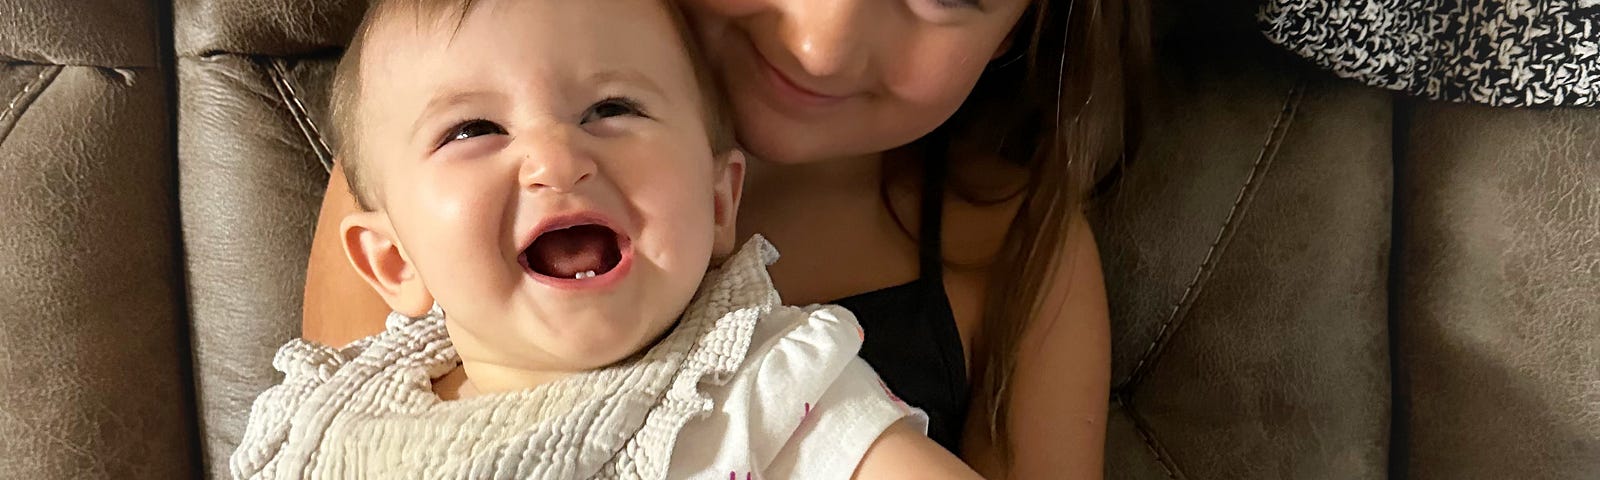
[
  {"x": 461, "y": 262},
  {"x": 685, "y": 247},
  {"x": 683, "y": 255},
  {"x": 465, "y": 207}
]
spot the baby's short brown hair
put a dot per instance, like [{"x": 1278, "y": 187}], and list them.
[{"x": 345, "y": 100}]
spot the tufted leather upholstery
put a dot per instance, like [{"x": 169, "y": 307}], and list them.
[
  {"x": 94, "y": 363},
  {"x": 1246, "y": 259},
  {"x": 251, "y": 80},
  {"x": 1312, "y": 279},
  {"x": 1497, "y": 303},
  {"x": 1308, "y": 278}
]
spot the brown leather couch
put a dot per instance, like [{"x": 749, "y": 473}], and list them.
[
  {"x": 94, "y": 365},
  {"x": 1309, "y": 278}
]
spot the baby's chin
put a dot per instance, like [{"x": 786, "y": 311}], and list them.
[{"x": 582, "y": 344}]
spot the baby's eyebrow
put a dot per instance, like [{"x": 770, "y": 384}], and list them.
[
  {"x": 449, "y": 99},
  {"x": 631, "y": 77}
]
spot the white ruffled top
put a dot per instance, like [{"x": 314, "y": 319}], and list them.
[{"x": 743, "y": 387}]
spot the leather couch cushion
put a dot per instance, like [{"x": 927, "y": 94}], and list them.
[
  {"x": 1246, "y": 261},
  {"x": 1498, "y": 300},
  {"x": 92, "y": 350},
  {"x": 256, "y": 27},
  {"x": 103, "y": 33},
  {"x": 251, "y": 164}
]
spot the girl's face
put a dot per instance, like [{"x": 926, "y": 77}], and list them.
[{"x": 813, "y": 80}]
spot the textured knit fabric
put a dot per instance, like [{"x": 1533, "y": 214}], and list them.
[
  {"x": 689, "y": 403},
  {"x": 1494, "y": 52}
]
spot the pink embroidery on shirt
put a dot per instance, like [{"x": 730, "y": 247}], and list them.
[
  {"x": 904, "y": 407},
  {"x": 889, "y": 393}
]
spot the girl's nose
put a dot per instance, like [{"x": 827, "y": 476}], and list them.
[{"x": 826, "y": 36}]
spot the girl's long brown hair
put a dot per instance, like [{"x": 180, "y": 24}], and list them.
[{"x": 1060, "y": 103}]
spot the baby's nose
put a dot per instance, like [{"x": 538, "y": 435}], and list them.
[{"x": 555, "y": 163}]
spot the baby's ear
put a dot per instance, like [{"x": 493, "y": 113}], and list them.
[
  {"x": 727, "y": 189},
  {"x": 374, "y": 251}
]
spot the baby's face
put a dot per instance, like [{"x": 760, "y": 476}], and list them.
[{"x": 547, "y": 174}]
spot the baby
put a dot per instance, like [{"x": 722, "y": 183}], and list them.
[{"x": 545, "y": 184}]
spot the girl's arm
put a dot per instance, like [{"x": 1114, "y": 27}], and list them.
[
  {"x": 1061, "y": 386},
  {"x": 903, "y": 452}
]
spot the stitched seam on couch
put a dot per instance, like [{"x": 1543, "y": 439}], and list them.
[
  {"x": 279, "y": 73},
  {"x": 1241, "y": 204},
  {"x": 16, "y": 60},
  {"x": 20, "y": 102},
  {"x": 1148, "y": 437}
]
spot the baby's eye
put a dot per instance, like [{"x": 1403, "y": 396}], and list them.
[
  {"x": 612, "y": 107},
  {"x": 472, "y": 128}
]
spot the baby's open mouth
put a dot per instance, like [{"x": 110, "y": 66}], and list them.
[{"x": 577, "y": 252}]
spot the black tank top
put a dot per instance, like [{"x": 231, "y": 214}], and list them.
[{"x": 911, "y": 336}]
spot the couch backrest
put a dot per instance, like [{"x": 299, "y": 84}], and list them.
[
  {"x": 1246, "y": 254},
  {"x": 252, "y": 76},
  {"x": 92, "y": 356}
]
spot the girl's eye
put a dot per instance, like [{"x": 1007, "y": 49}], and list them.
[
  {"x": 612, "y": 107},
  {"x": 946, "y": 12},
  {"x": 472, "y": 128}
]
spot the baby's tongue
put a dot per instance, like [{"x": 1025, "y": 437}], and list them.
[{"x": 568, "y": 252}]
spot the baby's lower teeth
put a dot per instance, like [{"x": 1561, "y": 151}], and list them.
[{"x": 584, "y": 274}]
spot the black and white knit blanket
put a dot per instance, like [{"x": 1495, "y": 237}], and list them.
[{"x": 1494, "y": 52}]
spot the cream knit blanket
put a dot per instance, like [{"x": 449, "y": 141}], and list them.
[{"x": 368, "y": 410}]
